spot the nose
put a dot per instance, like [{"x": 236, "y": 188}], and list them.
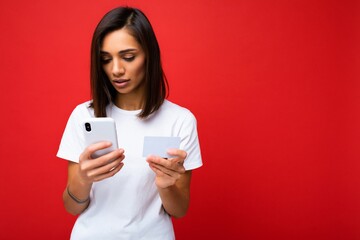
[{"x": 117, "y": 68}]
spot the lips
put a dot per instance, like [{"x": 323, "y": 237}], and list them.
[{"x": 120, "y": 82}]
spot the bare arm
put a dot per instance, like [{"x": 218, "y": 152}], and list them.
[
  {"x": 173, "y": 182},
  {"x": 77, "y": 188},
  {"x": 82, "y": 175},
  {"x": 176, "y": 198}
]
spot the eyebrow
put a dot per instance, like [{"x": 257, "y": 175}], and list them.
[{"x": 122, "y": 51}]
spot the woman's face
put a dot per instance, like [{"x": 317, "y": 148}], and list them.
[{"x": 123, "y": 61}]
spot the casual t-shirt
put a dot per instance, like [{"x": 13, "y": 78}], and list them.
[{"x": 128, "y": 205}]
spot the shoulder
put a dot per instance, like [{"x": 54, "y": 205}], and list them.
[
  {"x": 169, "y": 107},
  {"x": 174, "y": 115},
  {"x": 83, "y": 110}
]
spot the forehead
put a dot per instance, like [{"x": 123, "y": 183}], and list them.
[{"x": 119, "y": 40}]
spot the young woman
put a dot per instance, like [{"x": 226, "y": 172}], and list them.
[{"x": 123, "y": 195}]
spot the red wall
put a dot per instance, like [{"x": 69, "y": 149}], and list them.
[{"x": 274, "y": 86}]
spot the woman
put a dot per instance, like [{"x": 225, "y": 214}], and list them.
[{"x": 123, "y": 195}]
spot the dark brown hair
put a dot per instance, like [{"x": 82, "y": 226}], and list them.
[{"x": 140, "y": 28}]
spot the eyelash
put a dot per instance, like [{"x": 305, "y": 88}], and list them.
[
  {"x": 127, "y": 59},
  {"x": 105, "y": 61}
]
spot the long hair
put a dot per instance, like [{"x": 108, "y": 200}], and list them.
[{"x": 138, "y": 25}]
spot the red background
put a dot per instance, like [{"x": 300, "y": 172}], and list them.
[{"x": 274, "y": 86}]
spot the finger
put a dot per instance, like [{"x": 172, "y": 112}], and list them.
[
  {"x": 158, "y": 160},
  {"x": 156, "y": 170},
  {"x": 110, "y": 173},
  {"x": 168, "y": 171},
  {"x": 90, "y": 168},
  {"x": 174, "y": 164},
  {"x": 111, "y": 156},
  {"x": 177, "y": 153},
  {"x": 89, "y": 150},
  {"x": 178, "y": 166},
  {"x": 107, "y": 158},
  {"x": 160, "y": 173},
  {"x": 109, "y": 167}
]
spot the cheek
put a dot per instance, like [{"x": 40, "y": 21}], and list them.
[
  {"x": 106, "y": 70},
  {"x": 139, "y": 70}
]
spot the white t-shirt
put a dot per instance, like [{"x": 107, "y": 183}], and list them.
[{"x": 128, "y": 205}]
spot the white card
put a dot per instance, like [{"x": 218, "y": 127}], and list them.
[{"x": 158, "y": 146}]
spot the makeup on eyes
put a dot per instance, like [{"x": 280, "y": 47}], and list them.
[{"x": 127, "y": 55}]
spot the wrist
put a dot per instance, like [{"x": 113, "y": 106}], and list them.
[
  {"x": 75, "y": 198},
  {"x": 166, "y": 188}
]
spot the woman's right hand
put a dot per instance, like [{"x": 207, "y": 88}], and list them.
[
  {"x": 82, "y": 175},
  {"x": 97, "y": 169}
]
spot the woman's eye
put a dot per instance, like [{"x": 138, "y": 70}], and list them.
[
  {"x": 129, "y": 59},
  {"x": 105, "y": 60}
]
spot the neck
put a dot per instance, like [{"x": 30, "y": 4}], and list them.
[{"x": 129, "y": 103}]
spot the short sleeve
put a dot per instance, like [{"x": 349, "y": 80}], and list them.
[
  {"x": 72, "y": 142},
  {"x": 190, "y": 142}
]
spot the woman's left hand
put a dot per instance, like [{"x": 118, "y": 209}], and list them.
[{"x": 168, "y": 171}]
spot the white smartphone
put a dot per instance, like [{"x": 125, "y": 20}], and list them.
[{"x": 98, "y": 130}]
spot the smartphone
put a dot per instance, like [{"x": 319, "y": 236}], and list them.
[{"x": 98, "y": 130}]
